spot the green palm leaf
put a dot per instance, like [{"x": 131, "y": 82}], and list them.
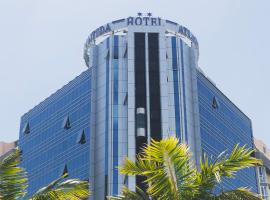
[
  {"x": 72, "y": 189},
  {"x": 168, "y": 169},
  {"x": 238, "y": 194},
  {"x": 170, "y": 174},
  {"x": 13, "y": 183},
  {"x": 13, "y": 180},
  {"x": 226, "y": 165},
  {"x": 130, "y": 195}
]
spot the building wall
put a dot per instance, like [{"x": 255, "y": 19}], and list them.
[
  {"x": 262, "y": 147},
  {"x": 263, "y": 180},
  {"x": 263, "y": 153},
  {"x": 222, "y": 128},
  {"x": 48, "y": 147},
  {"x": 5, "y": 147}
]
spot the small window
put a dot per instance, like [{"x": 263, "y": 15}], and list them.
[
  {"x": 81, "y": 138},
  {"x": 215, "y": 103},
  {"x": 116, "y": 47},
  {"x": 107, "y": 54},
  {"x": 115, "y": 53},
  {"x": 26, "y": 128},
  {"x": 66, "y": 123},
  {"x": 65, "y": 170},
  {"x": 126, "y": 99},
  {"x": 125, "y": 51},
  {"x": 167, "y": 55},
  {"x": 260, "y": 171}
]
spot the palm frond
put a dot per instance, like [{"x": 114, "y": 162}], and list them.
[
  {"x": 225, "y": 165},
  {"x": 72, "y": 189},
  {"x": 13, "y": 179},
  {"x": 240, "y": 158},
  {"x": 131, "y": 195},
  {"x": 238, "y": 194},
  {"x": 170, "y": 174},
  {"x": 167, "y": 167}
]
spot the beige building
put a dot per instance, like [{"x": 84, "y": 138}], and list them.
[
  {"x": 263, "y": 152},
  {"x": 6, "y": 147}
]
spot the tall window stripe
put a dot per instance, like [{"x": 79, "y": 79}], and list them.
[
  {"x": 154, "y": 86},
  {"x": 140, "y": 92},
  {"x": 176, "y": 88},
  {"x": 184, "y": 90},
  {"x": 115, "y": 113}
]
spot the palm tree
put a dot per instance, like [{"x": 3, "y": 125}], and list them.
[
  {"x": 72, "y": 189},
  {"x": 171, "y": 175},
  {"x": 13, "y": 183},
  {"x": 13, "y": 179}
]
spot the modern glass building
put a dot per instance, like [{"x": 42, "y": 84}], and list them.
[{"x": 142, "y": 82}]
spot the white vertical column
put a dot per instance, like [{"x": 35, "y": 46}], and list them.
[
  {"x": 122, "y": 109},
  {"x": 182, "y": 83},
  {"x": 170, "y": 86},
  {"x": 100, "y": 117},
  {"x": 189, "y": 84},
  {"x": 195, "y": 100},
  {"x": 93, "y": 120},
  {"x": 147, "y": 89},
  {"x": 131, "y": 107},
  {"x": 163, "y": 73},
  {"x": 110, "y": 123}
]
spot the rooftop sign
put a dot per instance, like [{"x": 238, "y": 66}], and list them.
[{"x": 141, "y": 20}]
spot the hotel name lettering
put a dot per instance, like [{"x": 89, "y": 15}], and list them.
[
  {"x": 145, "y": 21},
  {"x": 140, "y": 21}
]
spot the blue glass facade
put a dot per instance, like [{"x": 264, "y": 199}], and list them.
[
  {"x": 50, "y": 146},
  {"x": 115, "y": 114},
  {"x": 222, "y": 126}
]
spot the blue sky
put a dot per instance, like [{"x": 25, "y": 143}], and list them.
[{"x": 41, "y": 47}]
